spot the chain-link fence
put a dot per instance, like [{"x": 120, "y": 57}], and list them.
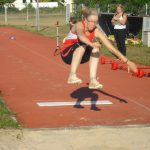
[
  {"x": 111, "y": 8},
  {"x": 9, "y": 15}
]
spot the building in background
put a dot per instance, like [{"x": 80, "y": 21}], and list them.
[{"x": 20, "y": 4}]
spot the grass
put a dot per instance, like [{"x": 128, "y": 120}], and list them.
[
  {"x": 21, "y": 19},
  {"x": 137, "y": 53},
  {"x": 6, "y": 117},
  {"x": 49, "y": 31}
]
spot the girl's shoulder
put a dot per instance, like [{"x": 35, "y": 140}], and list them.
[
  {"x": 124, "y": 14},
  {"x": 79, "y": 22},
  {"x": 79, "y": 25}
]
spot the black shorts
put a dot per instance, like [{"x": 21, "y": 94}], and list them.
[{"x": 68, "y": 53}]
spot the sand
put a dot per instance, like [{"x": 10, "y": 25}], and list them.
[{"x": 85, "y": 138}]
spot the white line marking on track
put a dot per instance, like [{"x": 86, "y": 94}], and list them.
[{"x": 99, "y": 102}]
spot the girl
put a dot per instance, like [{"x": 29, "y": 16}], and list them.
[
  {"x": 119, "y": 22},
  {"x": 78, "y": 48}
]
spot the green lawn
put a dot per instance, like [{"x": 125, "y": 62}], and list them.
[
  {"x": 7, "y": 119},
  {"x": 137, "y": 53},
  {"x": 21, "y": 19}
]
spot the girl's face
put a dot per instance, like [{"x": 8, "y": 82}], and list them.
[
  {"x": 119, "y": 10},
  {"x": 92, "y": 22}
]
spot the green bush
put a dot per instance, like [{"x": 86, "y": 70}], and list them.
[
  {"x": 2, "y": 9},
  {"x": 139, "y": 36}
]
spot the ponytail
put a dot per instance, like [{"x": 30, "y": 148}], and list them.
[{"x": 86, "y": 12}]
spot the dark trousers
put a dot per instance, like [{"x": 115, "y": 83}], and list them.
[{"x": 120, "y": 37}]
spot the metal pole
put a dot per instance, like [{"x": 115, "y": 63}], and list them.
[
  {"x": 82, "y": 5},
  {"x": 37, "y": 15},
  {"x": 57, "y": 27},
  {"x": 108, "y": 8},
  {"x": 5, "y": 15},
  {"x": 146, "y": 9},
  {"x": 27, "y": 13},
  {"x": 71, "y": 7},
  {"x": 67, "y": 13}
]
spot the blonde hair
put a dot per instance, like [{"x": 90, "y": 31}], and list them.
[
  {"x": 86, "y": 12},
  {"x": 121, "y": 6}
]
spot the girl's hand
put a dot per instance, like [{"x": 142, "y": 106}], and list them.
[
  {"x": 96, "y": 44},
  {"x": 112, "y": 21},
  {"x": 132, "y": 66},
  {"x": 115, "y": 18}
]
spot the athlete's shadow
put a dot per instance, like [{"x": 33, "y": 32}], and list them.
[
  {"x": 84, "y": 92},
  {"x": 81, "y": 94}
]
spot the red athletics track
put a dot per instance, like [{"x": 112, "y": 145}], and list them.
[{"x": 30, "y": 74}]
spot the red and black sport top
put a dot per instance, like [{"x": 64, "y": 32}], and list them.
[{"x": 73, "y": 38}]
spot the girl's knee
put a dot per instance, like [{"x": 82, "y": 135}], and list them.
[
  {"x": 79, "y": 51},
  {"x": 81, "y": 48},
  {"x": 95, "y": 52}
]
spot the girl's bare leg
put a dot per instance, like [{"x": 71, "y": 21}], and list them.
[
  {"x": 93, "y": 65},
  {"x": 76, "y": 59}
]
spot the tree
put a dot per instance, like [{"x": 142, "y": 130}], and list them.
[
  {"x": 131, "y": 6},
  {"x": 2, "y": 2},
  {"x": 86, "y": 2},
  {"x": 49, "y": 0}
]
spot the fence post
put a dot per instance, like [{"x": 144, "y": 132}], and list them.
[
  {"x": 67, "y": 13},
  {"x": 146, "y": 9},
  {"x": 6, "y": 21},
  {"x": 82, "y": 5},
  {"x": 27, "y": 12},
  {"x": 69, "y": 9},
  {"x": 37, "y": 15},
  {"x": 108, "y": 8}
]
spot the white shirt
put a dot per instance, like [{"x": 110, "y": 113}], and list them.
[
  {"x": 118, "y": 25},
  {"x": 71, "y": 36}
]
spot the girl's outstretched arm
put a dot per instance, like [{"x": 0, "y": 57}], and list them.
[{"x": 116, "y": 52}]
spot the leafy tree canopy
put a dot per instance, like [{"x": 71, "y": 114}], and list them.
[
  {"x": 2, "y": 2},
  {"x": 132, "y": 6}
]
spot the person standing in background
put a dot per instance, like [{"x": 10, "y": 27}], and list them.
[{"x": 119, "y": 22}]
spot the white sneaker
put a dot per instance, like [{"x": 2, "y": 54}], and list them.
[
  {"x": 94, "y": 84},
  {"x": 73, "y": 79}
]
